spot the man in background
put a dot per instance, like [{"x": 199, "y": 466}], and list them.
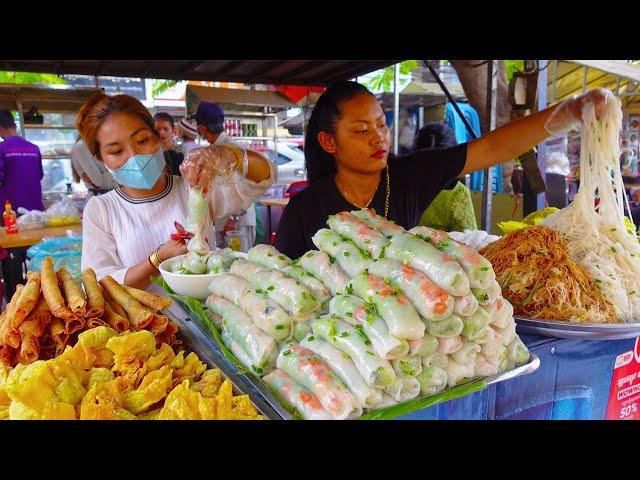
[
  {"x": 93, "y": 173},
  {"x": 188, "y": 132},
  {"x": 209, "y": 119},
  {"x": 164, "y": 124},
  {"x": 20, "y": 168}
]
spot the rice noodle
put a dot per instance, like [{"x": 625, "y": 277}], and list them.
[{"x": 599, "y": 239}]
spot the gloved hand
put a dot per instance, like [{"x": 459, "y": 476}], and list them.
[
  {"x": 568, "y": 115},
  {"x": 215, "y": 163}
]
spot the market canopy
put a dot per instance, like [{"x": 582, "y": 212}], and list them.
[
  {"x": 54, "y": 98},
  {"x": 234, "y": 99},
  {"x": 273, "y": 72}
]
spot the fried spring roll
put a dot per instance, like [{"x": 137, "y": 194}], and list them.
[
  {"x": 95, "y": 299},
  {"x": 51, "y": 291},
  {"x": 73, "y": 293},
  {"x": 96, "y": 322},
  {"x": 29, "y": 349},
  {"x": 114, "y": 319},
  {"x": 27, "y": 300},
  {"x": 7, "y": 355},
  {"x": 9, "y": 336},
  {"x": 113, "y": 304},
  {"x": 138, "y": 316},
  {"x": 156, "y": 302}
]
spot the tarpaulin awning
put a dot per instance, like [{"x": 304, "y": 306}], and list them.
[
  {"x": 237, "y": 99},
  {"x": 57, "y": 98}
]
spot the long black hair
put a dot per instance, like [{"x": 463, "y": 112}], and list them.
[
  {"x": 435, "y": 135},
  {"x": 325, "y": 115}
]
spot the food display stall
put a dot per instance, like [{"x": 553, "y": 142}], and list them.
[{"x": 378, "y": 323}]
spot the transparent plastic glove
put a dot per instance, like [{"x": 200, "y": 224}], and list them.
[
  {"x": 219, "y": 164},
  {"x": 197, "y": 211},
  {"x": 568, "y": 115}
]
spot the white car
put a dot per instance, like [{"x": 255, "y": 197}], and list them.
[{"x": 290, "y": 161}]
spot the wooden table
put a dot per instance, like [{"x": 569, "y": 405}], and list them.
[
  {"x": 27, "y": 238},
  {"x": 272, "y": 202}
]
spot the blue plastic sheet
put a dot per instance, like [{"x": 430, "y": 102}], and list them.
[{"x": 65, "y": 251}]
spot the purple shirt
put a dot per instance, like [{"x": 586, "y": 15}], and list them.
[{"x": 20, "y": 174}]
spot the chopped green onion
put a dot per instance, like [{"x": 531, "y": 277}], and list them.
[
  {"x": 279, "y": 327},
  {"x": 286, "y": 352},
  {"x": 349, "y": 314}
]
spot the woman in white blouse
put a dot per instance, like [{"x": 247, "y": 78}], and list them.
[{"x": 125, "y": 227}]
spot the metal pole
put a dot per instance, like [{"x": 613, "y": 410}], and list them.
[
  {"x": 492, "y": 97},
  {"x": 584, "y": 80},
  {"x": 542, "y": 104},
  {"x": 96, "y": 82},
  {"x": 555, "y": 80},
  {"x": 21, "y": 117},
  {"x": 396, "y": 108}
]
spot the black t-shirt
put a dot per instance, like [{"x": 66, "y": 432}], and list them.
[
  {"x": 415, "y": 180},
  {"x": 173, "y": 159}
]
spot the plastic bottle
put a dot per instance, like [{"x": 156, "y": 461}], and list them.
[{"x": 10, "y": 218}]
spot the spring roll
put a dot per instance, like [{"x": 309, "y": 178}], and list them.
[
  {"x": 507, "y": 333},
  {"x": 11, "y": 336},
  {"x": 261, "y": 347},
  {"x": 29, "y": 349},
  {"x": 450, "y": 345},
  {"x": 158, "y": 324},
  {"x": 268, "y": 256},
  {"x": 442, "y": 269},
  {"x": 501, "y": 313},
  {"x": 409, "y": 366},
  {"x": 369, "y": 216},
  {"x": 423, "y": 346},
  {"x": 247, "y": 270},
  {"x": 493, "y": 343},
  {"x": 7, "y": 355},
  {"x": 244, "y": 358},
  {"x": 487, "y": 296},
  {"x": 72, "y": 292},
  {"x": 483, "y": 368},
  {"x": 364, "y": 236},
  {"x": 432, "y": 380},
  {"x": 113, "y": 304},
  {"x": 313, "y": 373},
  {"x": 431, "y": 301},
  {"x": 458, "y": 373},
  {"x": 115, "y": 320},
  {"x": 51, "y": 291},
  {"x": 465, "y": 305},
  {"x": 220, "y": 260},
  {"x": 95, "y": 300},
  {"x": 267, "y": 315},
  {"x": 387, "y": 401},
  {"x": 345, "y": 369},
  {"x": 316, "y": 286},
  {"x": 394, "y": 307},
  {"x": 467, "y": 354},
  {"x": 229, "y": 286},
  {"x": 451, "y": 327},
  {"x": 59, "y": 335},
  {"x": 155, "y": 302},
  {"x": 517, "y": 352},
  {"x": 319, "y": 265},
  {"x": 478, "y": 269},
  {"x": 305, "y": 402},
  {"x": 350, "y": 258},
  {"x": 403, "y": 389},
  {"x": 354, "y": 311},
  {"x": 138, "y": 316},
  {"x": 27, "y": 300},
  {"x": 96, "y": 322},
  {"x": 435, "y": 360},
  {"x": 354, "y": 342},
  {"x": 475, "y": 324},
  {"x": 486, "y": 335}
]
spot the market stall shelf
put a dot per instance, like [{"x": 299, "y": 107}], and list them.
[{"x": 584, "y": 331}]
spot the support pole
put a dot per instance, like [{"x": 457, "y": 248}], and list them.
[
  {"x": 542, "y": 104},
  {"x": 21, "y": 117},
  {"x": 396, "y": 108},
  {"x": 492, "y": 97}
]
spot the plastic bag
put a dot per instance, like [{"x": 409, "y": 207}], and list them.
[
  {"x": 31, "y": 219},
  {"x": 65, "y": 251},
  {"x": 451, "y": 210},
  {"x": 63, "y": 212}
]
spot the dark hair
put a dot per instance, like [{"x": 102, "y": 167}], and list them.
[
  {"x": 435, "y": 135},
  {"x": 324, "y": 117},
  {"x": 213, "y": 127},
  {"x": 164, "y": 116},
  {"x": 6, "y": 119}
]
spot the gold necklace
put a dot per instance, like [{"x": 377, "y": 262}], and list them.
[{"x": 386, "y": 197}]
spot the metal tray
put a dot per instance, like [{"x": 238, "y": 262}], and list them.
[
  {"x": 584, "y": 331},
  {"x": 260, "y": 393}
]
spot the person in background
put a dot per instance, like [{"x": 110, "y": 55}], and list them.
[
  {"x": 93, "y": 173},
  {"x": 209, "y": 118},
  {"x": 20, "y": 168},
  {"x": 452, "y": 209},
  {"x": 188, "y": 133},
  {"x": 164, "y": 124}
]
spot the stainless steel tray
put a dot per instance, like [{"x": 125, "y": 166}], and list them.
[
  {"x": 531, "y": 366},
  {"x": 584, "y": 331}
]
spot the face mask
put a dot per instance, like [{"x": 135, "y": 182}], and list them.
[{"x": 140, "y": 171}]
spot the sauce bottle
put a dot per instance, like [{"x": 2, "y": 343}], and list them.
[{"x": 10, "y": 218}]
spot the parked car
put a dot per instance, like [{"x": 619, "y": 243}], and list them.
[{"x": 290, "y": 161}]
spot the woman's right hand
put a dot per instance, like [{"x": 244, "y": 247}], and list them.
[{"x": 171, "y": 249}]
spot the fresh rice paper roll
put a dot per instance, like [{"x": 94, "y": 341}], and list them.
[
  {"x": 478, "y": 269},
  {"x": 301, "y": 330},
  {"x": 294, "y": 394},
  {"x": 219, "y": 260},
  {"x": 435, "y": 360},
  {"x": 350, "y": 258},
  {"x": 367, "y": 238},
  {"x": 487, "y": 335},
  {"x": 193, "y": 263},
  {"x": 432, "y": 380},
  {"x": 268, "y": 256},
  {"x": 316, "y": 286},
  {"x": 457, "y": 373},
  {"x": 387, "y": 401},
  {"x": 229, "y": 286},
  {"x": 517, "y": 351},
  {"x": 267, "y": 315},
  {"x": 409, "y": 366},
  {"x": 247, "y": 270},
  {"x": 319, "y": 265},
  {"x": 431, "y": 301},
  {"x": 345, "y": 369},
  {"x": 493, "y": 344},
  {"x": 451, "y": 327},
  {"x": 423, "y": 346},
  {"x": 403, "y": 389},
  {"x": 474, "y": 325},
  {"x": 487, "y": 296},
  {"x": 499, "y": 358},
  {"x": 466, "y": 354},
  {"x": 369, "y": 216},
  {"x": 450, "y": 345},
  {"x": 244, "y": 358},
  {"x": 308, "y": 369},
  {"x": 507, "y": 333},
  {"x": 354, "y": 311},
  {"x": 501, "y": 312},
  {"x": 442, "y": 269},
  {"x": 214, "y": 317},
  {"x": 483, "y": 368},
  {"x": 465, "y": 305},
  {"x": 396, "y": 310},
  {"x": 375, "y": 371}
]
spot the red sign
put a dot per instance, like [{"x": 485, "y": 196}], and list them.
[{"x": 624, "y": 397}]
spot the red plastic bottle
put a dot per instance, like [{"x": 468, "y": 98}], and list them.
[{"x": 10, "y": 218}]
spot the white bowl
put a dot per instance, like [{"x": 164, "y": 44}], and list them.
[{"x": 195, "y": 286}]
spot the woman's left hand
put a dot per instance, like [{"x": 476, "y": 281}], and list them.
[
  {"x": 202, "y": 165},
  {"x": 567, "y": 116}
]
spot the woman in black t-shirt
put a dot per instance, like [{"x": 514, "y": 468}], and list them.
[{"x": 348, "y": 164}]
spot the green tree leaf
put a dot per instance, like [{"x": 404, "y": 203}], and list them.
[{"x": 31, "y": 78}]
